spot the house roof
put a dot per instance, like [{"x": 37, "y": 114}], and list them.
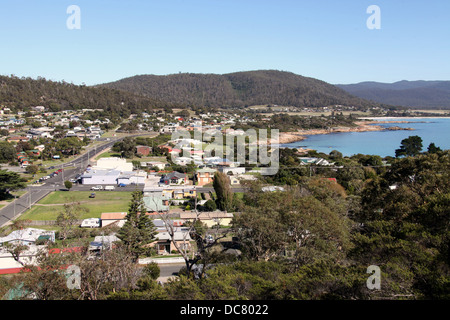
[
  {"x": 206, "y": 215},
  {"x": 174, "y": 174},
  {"x": 27, "y": 234},
  {"x": 113, "y": 215},
  {"x": 154, "y": 203},
  {"x": 178, "y": 236}
]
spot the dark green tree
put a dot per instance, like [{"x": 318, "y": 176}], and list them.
[
  {"x": 222, "y": 187},
  {"x": 7, "y": 152},
  {"x": 138, "y": 232},
  {"x": 10, "y": 181},
  {"x": 410, "y": 146},
  {"x": 68, "y": 184},
  {"x": 433, "y": 149}
]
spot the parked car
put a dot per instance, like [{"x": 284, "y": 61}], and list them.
[{"x": 122, "y": 185}]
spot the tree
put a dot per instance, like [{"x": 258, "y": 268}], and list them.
[
  {"x": 32, "y": 169},
  {"x": 69, "y": 145},
  {"x": 410, "y": 146},
  {"x": 68, "y": 184},
  {"x": 335, "y": 155},
  {"x": 68, "y": 218},
  {"x": 138, "y": 231},
  {"x": 16, "y": 249},
  {"x": 301, "y": 224},
  {"x": 10, "y": 181},
  {"x": 127, "y": 147},
  {"x": 209, "y": 205},
  {"x": 406, "y": 229},
  {"x": 7, "y": 152},
  {"x": 433, "y": 149},
  {"x": 221, "y": 184}
]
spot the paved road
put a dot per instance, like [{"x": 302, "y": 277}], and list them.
[
  {"x": 170, "y": 269},
  {"x": 35, "y": 193}
]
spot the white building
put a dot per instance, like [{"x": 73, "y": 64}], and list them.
[
  {"x": 96, "y": 176},
  {"x": 27, "y": 236},
  {"x": 113, "y": 163}
]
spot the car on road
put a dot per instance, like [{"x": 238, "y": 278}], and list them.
[
  {"x": 109, "y": 188},
  {"x": 51, "y": 168},
  {"x": 97, "y": 188}
]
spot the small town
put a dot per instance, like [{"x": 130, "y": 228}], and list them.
[{"x": 224, "y": 158}]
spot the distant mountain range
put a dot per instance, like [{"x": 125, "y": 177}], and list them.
[
  {"x": 421, "y": 94},
  {"x": 239, "y": 89}
]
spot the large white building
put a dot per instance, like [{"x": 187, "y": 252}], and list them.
[
  {"x": 96, "y": 176},
  {"x": 114, "y": 163}
]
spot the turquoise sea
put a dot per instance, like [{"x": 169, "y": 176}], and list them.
[{"x": 382, "y": 143}]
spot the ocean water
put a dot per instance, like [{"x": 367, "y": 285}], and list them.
[{"x": 382, "y": 143}]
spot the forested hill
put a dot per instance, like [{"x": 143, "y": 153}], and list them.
[
  {"x": 238, "y": 89},
  {"x": 424, "y": 94},
  {"x": 24, "y": 93}
]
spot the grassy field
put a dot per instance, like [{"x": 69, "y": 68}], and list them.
[
  {"x": 49, "y": 207},
  {"x": 109, "y": 154}
]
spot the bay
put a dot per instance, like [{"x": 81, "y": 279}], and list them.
[{"x": 382, "y": 143}]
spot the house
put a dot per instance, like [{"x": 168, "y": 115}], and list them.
[
  {"x": 204, "y": 176},
  {"x": 209, "y": 218},
  {"x": 156, "y": 203},
  {"x": 231, "y": 170},
  {"x": 174, "y": 178},
  {"x": 164, "y": 242},
  {"x": 143, "y": 150},
  {"x": 28, "y": 236},
  {"x": 156, "y": 164},
  {"x": 8, "y": 263},
  {"x": 234, "y": 180},
  {"x": 18, "y": 139},
  {"x": 109, "y": 218},
  {"x": 316, "y": 161},
  {"x": 102, "y": 242}
]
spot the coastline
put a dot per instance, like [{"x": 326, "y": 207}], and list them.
[{"x": 362, "y": 126}]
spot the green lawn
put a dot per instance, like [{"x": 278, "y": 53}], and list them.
[
  {"x": 105, "y": 201},
  {"x": 108, "y": 154}
]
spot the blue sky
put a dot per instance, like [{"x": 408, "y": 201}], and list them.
[{"x": 324, "y": 39}]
